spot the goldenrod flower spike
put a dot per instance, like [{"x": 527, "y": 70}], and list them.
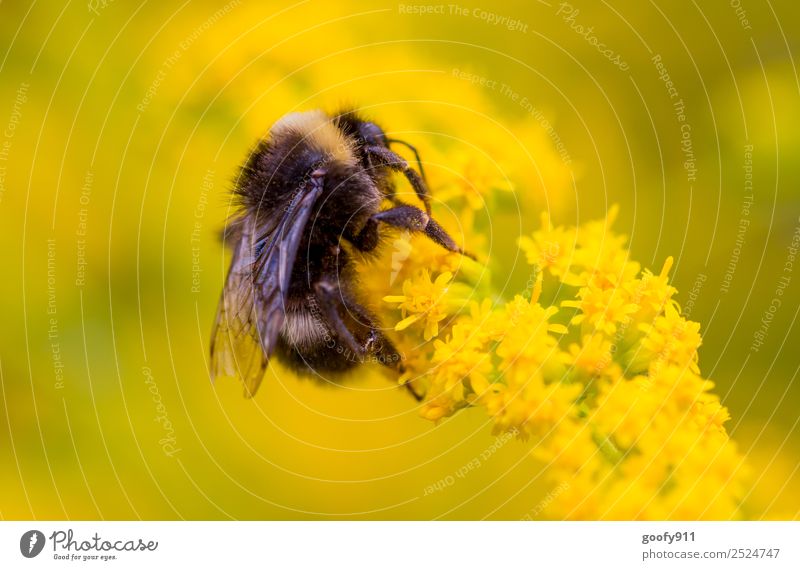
[{"x": 609, "y": 393}]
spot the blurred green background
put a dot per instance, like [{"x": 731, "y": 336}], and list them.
[{"x": 123, "y": 125}]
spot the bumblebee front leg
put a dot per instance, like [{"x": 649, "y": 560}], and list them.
[
  {"x": 391, "y": 159},
  {"x": 404, "y": 217}
]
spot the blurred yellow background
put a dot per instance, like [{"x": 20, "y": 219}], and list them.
[{"x": 123, "y": 126}]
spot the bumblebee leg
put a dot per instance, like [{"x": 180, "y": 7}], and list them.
[
  {"x": 409, "y": 218},
  {"x": 331, "y": 303},
  {"x": 375, "y": 346},
  {"x": 416, "y": 155},
  {"x": 391, "y": 159},
  {"x": 383, "y": 351},
  {"x": 410, "y": 388},
  {"x": 368, "y": 238},
  {"x": 379, "y": 347}
]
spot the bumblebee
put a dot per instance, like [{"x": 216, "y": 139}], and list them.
[{"x": 315, "y": 182}]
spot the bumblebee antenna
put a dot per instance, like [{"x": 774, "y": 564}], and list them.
[{"x": 416, "y": 155}]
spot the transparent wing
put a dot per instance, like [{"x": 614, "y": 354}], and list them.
[
  {"x": 235, "y": 345},
  {"x": 252, "y": 310}
]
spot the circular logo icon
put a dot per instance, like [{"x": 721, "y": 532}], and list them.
[{"x": 31, "y": 543}]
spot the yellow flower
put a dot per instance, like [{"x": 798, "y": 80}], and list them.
[
  {"x": 526, "y": 403},
  {"x": 461, "y": 368},
  {"x": 600, "y": 255},
  {"x": 475, "y": 179},
  {"x": 603, "y": 309},
  {"x": 550, "y": 248},
  {"x": 653, "y": 292},
  {"x": 671, "y": 339},
  {"x": 487, "y": 323},
  {"x": 625, "y": 410},
  {"x": 528, "y": 340},
  {"x": 593, "y": 356},
  {"x": 423, "y": 299}
]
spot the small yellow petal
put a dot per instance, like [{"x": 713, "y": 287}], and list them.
[
  {"x": 408, "y": 321},
  {"x": 537, "y": 288},
  {"x": 667, "y": 266}
]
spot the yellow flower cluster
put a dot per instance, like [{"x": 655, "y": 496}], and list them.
[{"x": 602, "y": 381}]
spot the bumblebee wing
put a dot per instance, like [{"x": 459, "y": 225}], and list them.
[
  {"x": 235, "y": 344},
  {"x": 275, "y": 261},
  {"x": 252, "y": 309}
]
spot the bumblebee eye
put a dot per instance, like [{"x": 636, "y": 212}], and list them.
[{"x": 372, "y": 134}]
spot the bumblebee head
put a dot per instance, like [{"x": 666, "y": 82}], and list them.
[
  {"x": 371, "y": 134},
  {"x": 365, "y": 133}
]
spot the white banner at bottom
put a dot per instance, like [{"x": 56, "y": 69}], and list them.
[{"x": 371, "y": 545}]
